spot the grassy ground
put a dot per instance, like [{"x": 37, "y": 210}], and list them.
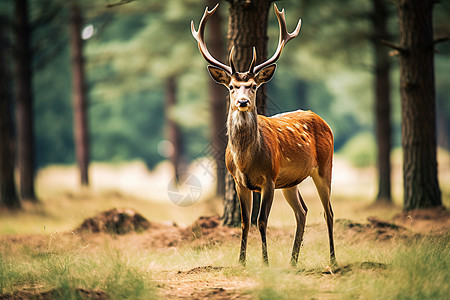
[
  {"x": 413, "y": 267},
  {"x": 41, "y": 254}
]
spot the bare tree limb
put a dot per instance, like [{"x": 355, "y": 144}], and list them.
[
  {"x": 121, "y": 2},
  {"x": 441, "y": 39},
  {"x": 399, "y": 48}
]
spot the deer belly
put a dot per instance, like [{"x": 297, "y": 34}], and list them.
[{"x": 291, "y": 176}]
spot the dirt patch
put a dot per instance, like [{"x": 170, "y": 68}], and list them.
[
  {"x": 218, "y": 293},
  {"x": 208, "y": 222},
  {"x": 56, "y": 294},
  {"x": 434, "y": 221},
  {"x": 116, "y": 220},
  {"x": 204, "y": 282},
  {"x": 431, "y": 220},
  {"x": 202, "y": 269},
  {"x": 203, "y": 291},
  {"x": 204, "y": 232},
  {"x": 375, "y": 229},
  {"x": 209, "y": 231},
  {"x": 366, "y": 265}
]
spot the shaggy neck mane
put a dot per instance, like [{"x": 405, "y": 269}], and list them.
[{"x": 243, "y": 131}]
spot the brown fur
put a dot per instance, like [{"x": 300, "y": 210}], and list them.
[
  {"x": 276, "y": 140},
  {"x": 264, "y": 154}
]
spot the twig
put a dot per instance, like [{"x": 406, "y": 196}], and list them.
[
  {"x": 393, "y": 46},
  {"x": 441, "y": 39},
  {"x": 121, "y": 2}
]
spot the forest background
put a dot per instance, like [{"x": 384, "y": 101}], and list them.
[
  {"x": 149, "y": 98},
  {"x": 133, "y": 51}
]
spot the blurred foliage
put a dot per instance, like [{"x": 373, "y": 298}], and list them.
[
  {"x": 360, "y": 150},
  {"x": 135, "y": 47}
]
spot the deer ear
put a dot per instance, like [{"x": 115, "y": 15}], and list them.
[
  {"x": 265, "y": 74},
  {"x": 219, "y": 75}
]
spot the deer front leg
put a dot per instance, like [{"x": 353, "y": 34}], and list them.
[
  {"x": 245, "y": 199},
  {"x": 266, "y": 205}
]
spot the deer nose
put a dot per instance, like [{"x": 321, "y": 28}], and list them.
[{"x": 243, "y": 102}]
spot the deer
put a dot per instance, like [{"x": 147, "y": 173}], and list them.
[{"x": 268, "y": 153}]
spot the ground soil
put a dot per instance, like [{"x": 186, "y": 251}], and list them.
[
  {"x": 125, "y": 227},
  {"x": 54, "y": 294},
  {"x": 427, "y": 221},
  {"x": 116, "y": 221},
  {"x": 191, "y": 284}
]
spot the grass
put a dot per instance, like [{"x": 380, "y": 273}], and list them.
[
  {"x": 39, "y": 253},
  {"x": 414, "y": 268},
  {"x": 68, "y": 269},
  {"x": 408, "y": 270}
]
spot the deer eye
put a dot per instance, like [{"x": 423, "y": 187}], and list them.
[
  {"x": 254, "y": 86},
  {"x": 231, "y": 87}
]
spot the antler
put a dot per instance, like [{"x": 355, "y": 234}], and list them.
[
  {"x": 199, "y": 36},
  {"x": 285, "y": 37}
]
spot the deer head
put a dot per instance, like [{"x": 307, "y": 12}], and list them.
[{"x": 242, "y": 86}]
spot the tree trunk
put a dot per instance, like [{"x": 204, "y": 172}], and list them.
[
  {"x": 8, "y": 195},
  {"x": 24, "y": 101},
  {"x": 420, "y": 182},
  {"x": 382, "y": 100},
  {"x": 247, "y": 28},
  {"x": 231, "y": 211},
  {"x": 79, "y": 95},
  {"x": 173, "y": 129},
  {"x": 218, "y": 104}
]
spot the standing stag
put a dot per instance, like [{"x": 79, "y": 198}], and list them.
[{"x": 264, "y": 154}]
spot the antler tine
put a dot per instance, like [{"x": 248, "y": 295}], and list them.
[
  {"x": 199, "y": 36},
  {"x": 231, "y": 61},
  {"x": 252, "y": 64},
  {"x": 285, "y": 37}
]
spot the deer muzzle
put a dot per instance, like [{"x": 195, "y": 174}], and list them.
[{"x": 243, "y": 104}]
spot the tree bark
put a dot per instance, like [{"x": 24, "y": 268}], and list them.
[
  {"x": 218, "y": 103},
  {"x": 417, "y": 88},
  {"x": 8, "y": 194},
  {"x": 24, "y": 101},
  {"x": 80, "y": 104},
  {"x": 247, "y": 28},
  {"x": 173, "y": 130},
  {"x": 232, "y": 209},
  {"x": 382, "y": 100}
]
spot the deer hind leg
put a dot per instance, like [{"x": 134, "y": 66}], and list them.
[
  {"x": 294, "y": 199},
  {"x": 323, "y": 186},
  {"x": 266, "y": 205},
  {"x": 245, "y": 199}
]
